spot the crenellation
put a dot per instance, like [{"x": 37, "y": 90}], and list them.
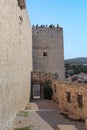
[
  {"x": 47, "y": 26},
  {"x": 44, "y": 30}
]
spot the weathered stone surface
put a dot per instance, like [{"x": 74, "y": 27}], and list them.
[
  {"x": 48, "y": 50},
  {"x": 73, "y": 117},
  {"x": 15, "y": 60},
  {"x": 66, "y": 127},
  {"x": 72, "y": 99}
]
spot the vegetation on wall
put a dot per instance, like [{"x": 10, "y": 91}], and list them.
[
  {"x": 23, "y": 113},
  {"x": 48, "y": 92}
]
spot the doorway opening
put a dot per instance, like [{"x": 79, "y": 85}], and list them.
[{"x": 36, "y": 91}]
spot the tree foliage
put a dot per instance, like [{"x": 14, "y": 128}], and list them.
[
  {"x": 48, "y": 92},
  {"x": 76, "y": 68}
]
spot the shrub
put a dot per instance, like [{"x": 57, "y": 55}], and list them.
[
  {"x": 25, "y": 128},
  {"x": 48, "y": 92}
]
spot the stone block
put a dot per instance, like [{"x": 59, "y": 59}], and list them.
[{"x": 66, "y": 127}]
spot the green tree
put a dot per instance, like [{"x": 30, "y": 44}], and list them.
[{"x": 48, "y": 91}]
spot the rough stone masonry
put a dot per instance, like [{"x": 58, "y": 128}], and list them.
[
  {"x": 15, "y": 59},
  {"x": 48, "y": 51}
]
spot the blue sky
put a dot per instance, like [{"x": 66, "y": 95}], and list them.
[{"x": 70, "y": 14}]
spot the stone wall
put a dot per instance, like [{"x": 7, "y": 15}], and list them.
[
  {"x": 39, "y": 78},
  {"x": 72, "y": 99},
  {"x": 48, "y": 49},
  {"x": 15, "y": 60}
]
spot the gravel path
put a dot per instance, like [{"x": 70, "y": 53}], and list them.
[{"x": 44, "y": 115}]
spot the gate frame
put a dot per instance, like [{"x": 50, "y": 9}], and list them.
[{"x": 41, "y": 90}]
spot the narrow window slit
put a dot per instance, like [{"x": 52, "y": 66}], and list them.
[
  {"x": 80, "y": 100},
  {"x": 44, "y": 53},
  {"x": 68, "y": 97}
]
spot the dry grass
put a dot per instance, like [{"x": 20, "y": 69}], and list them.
[{"x": 22, "y": 113}]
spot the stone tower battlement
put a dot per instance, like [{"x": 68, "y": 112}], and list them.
[
  {"x": 48, "y": 54},
  {"x": 57, "y": 27}
]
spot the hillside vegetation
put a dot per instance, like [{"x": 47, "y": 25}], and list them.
[
  {"x": 80, "y": 60},
  {"x": 76, "y": 66}
]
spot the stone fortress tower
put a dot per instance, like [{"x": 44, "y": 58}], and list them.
[{"x": 48, "y": 51}]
